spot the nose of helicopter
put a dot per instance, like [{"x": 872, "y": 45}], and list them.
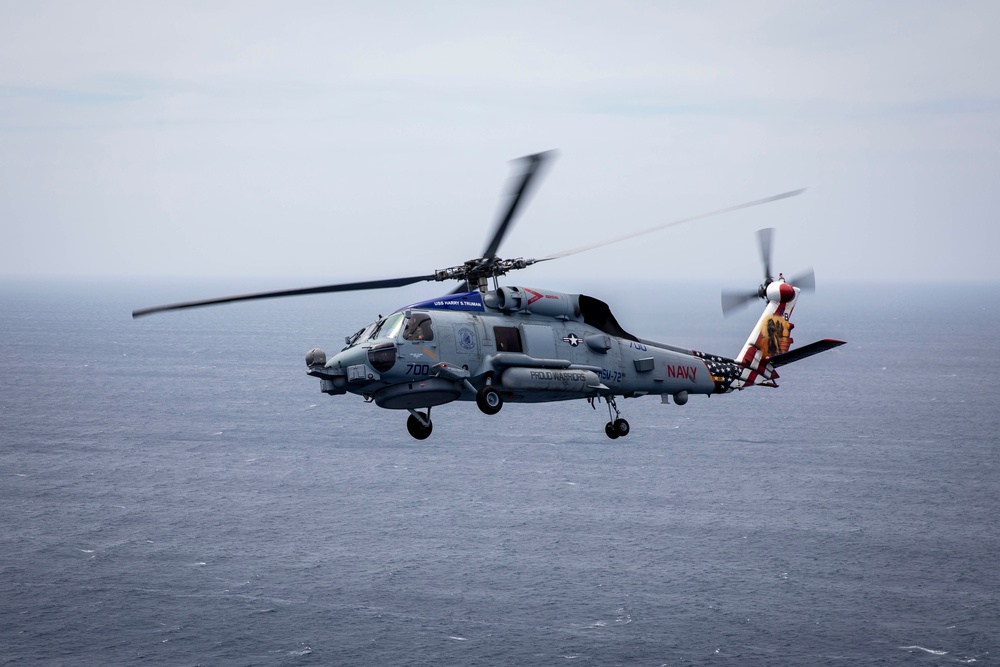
[
  {"x": 355, "y": 362},
  {"x": 352, "y": 356},
  {"x": 316, "y": 357}
]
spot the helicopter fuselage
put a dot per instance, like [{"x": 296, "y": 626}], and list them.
[{"x": 530, "y": 345}]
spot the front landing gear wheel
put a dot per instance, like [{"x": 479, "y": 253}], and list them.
[
  {"x": 610, "y": 430},
  {"x": 417, "y": 429},
  {"x": 621, "y": 427},
  {"x": 489, "y": 400}
]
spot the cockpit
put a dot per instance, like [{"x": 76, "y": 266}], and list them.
[
  {"x": 385, "y": 327},
  {"x": 417, "y": 328}
]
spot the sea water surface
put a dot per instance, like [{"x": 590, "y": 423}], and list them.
[{"x": 176, "y": 491}]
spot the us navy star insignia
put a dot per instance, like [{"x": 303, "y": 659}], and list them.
[{"x": 573, "y": 340}]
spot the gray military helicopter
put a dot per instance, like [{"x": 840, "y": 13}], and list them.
[{"x": 500, "y": 344}]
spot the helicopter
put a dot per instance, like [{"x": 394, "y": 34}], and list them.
[{"x": 514, "y": 344}]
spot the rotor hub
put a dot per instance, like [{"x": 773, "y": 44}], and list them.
[
  {"x": 478, "y": 271},
  {"x": 780, "y": 292}
]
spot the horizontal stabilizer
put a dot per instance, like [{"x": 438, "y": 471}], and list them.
[{"x": 804, "y": 351}]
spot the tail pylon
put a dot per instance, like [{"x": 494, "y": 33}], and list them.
[
  {"x": 771, "y": 336},
  {"x": 770, "y": 341}
]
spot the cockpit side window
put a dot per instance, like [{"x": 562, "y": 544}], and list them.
[{"x": 418, "y": 327}]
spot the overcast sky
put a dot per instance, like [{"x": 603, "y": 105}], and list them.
[{"x": 344, "y": 141}]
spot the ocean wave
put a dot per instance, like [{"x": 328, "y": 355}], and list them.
[{"x": 926, "y": 650}]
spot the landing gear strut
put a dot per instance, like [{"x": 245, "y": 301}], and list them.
[
  {"x": 616, "y": 427},
  {"x": 419, "y": 424}
]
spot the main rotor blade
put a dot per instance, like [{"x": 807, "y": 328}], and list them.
[
  {"x": 342, "y": 287},
  {"x": 764, "y": 237},
  {"x": 534, "y": 163},
  {"x": 623, "y": 237}
]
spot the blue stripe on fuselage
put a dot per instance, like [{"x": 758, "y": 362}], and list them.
[{"x": 463, "y": 301}]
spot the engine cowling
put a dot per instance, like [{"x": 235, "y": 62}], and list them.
[{"x": 513, "y": 299}]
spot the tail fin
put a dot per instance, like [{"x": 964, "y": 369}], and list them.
[
  {"x": 769, "y": 342},
  {"x": 771, "y": 336}
]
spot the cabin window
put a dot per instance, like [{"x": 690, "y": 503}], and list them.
[
  {"x": 418, "y": 327},
  {"x": 508, "y": 339}
]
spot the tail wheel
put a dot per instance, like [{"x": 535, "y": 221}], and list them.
[
  {"x": 418, "y": 430},
  {"x": 621, "y": 427},
  {"x": 489, "y": 400},
  {"x": 610, "y": 430}
]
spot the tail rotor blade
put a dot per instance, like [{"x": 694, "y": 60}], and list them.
[
  {"x": 733, "y": 300},
  {"x": 805, "y": 281},
  {"x": 764, "y": 238}
]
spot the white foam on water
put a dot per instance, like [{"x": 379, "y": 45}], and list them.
[{"x": 926, "y": 650}]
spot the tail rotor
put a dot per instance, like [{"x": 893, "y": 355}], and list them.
[{"x": 733, "y": 300}]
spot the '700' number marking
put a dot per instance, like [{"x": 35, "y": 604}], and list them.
[{"x": 418, "y": 369}]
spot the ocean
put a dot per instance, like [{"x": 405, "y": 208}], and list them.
[{"x": 176, "y": 491}]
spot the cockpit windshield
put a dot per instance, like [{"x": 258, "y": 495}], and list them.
[
  {"x": 361, "y": 334},
  {"x": 383, "y": 328},
  {"x": 390, "y": 326}
]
